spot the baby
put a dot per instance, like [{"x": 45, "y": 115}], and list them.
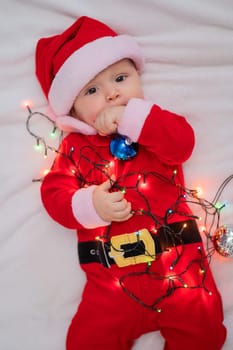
[{"x": 138, "y": 241}]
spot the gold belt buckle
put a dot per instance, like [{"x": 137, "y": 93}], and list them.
[{"x": 117, "y": 253}]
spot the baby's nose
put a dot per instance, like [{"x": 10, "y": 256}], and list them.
[{"x": 112, "y": 94}]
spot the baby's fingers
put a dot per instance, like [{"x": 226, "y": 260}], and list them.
[{"x": 122, "y": 211}]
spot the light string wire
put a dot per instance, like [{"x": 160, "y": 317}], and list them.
[
  {"x": 39, "y": 139},
  {"x": 175, "y": 280}
]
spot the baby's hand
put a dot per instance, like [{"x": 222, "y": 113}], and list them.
[
  {"x": 111, "y": 206},
  {"x": 108, "y": 119}
]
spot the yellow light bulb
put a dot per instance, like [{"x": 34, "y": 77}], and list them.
[
  {"x": 46, "y": 171},
  {"x": 198, "y": 191}
]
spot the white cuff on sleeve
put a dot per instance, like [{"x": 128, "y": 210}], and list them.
[
  {"x": 83, "y": 209},
  {"x": 133, "y": 118}
]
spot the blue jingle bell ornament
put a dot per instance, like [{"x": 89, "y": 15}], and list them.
[{"x": 122, "y": 148}]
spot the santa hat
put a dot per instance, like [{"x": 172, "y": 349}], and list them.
[{"x": 66, "y": 62}]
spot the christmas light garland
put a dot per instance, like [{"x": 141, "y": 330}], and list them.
[
  {"x": 41, "y": 140},
  {"x": 221, "y": 240}
]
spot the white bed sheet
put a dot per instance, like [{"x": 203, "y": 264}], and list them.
[{"x": 188, "y": 46}]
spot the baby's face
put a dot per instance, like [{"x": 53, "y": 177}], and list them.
[{"x": 114, "y": 86}]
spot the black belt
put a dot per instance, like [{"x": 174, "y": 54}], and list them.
[{"x": 175, "y": 234}]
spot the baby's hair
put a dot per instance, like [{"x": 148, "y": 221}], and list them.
[{"x": 72, "y": 112}]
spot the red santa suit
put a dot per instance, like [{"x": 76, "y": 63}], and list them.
[{"x": 166, "y": 287}]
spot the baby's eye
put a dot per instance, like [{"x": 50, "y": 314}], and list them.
[
  {"x": 91, "y": 91},
  {"x": 121, "y": 77}
]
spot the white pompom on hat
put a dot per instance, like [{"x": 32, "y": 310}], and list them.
[{"x": 66, "y": 62}]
